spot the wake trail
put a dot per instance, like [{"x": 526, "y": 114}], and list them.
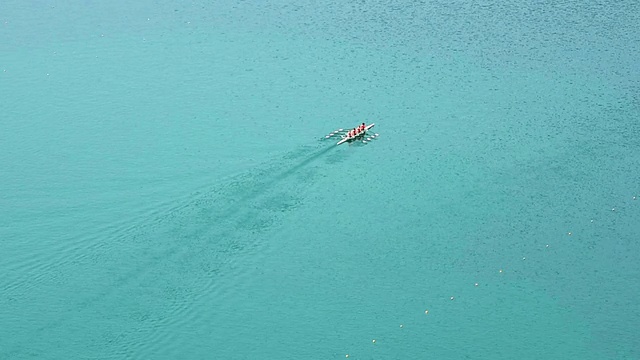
[{"x": 188, "y": 232}]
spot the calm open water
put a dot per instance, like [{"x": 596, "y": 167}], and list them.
[{"x": 166, "y": 191}]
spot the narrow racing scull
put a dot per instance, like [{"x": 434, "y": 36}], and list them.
[{"x": 363, "y": 136}]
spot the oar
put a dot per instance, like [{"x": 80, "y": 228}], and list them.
[
  {"x": 333, "y": 133},
  {"x": 370, "y": 138}
]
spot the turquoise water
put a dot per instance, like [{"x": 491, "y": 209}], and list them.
[{"x": 166, "y": 191}]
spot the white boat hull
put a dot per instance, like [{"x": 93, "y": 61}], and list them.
[{"x": 359, "y": 136}]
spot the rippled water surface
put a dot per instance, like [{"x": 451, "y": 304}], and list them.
[{"x": 166, "y": 190}]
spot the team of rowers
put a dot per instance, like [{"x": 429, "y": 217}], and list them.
[{"x": 357, "y": 131}]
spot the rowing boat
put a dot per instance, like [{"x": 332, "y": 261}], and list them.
[
  {"x": 360, "y": 136},
  {"x": 346, "y": 138}
]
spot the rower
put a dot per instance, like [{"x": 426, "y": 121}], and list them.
[{"x": 363, "y": 127}]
